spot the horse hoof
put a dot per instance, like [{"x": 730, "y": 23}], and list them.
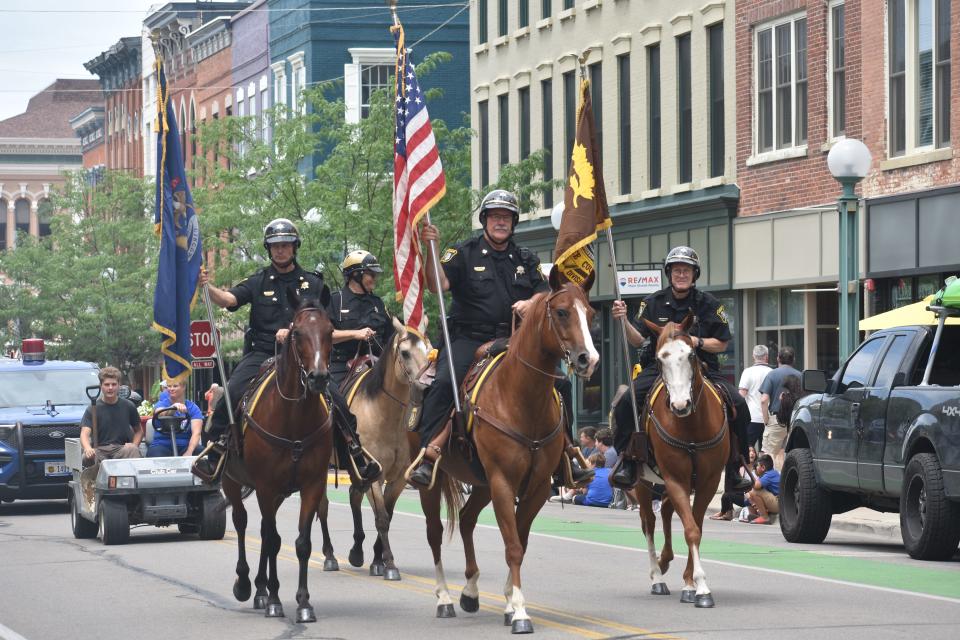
[
  {"x": 274, "y": 610},
  {"x": 470, "y": 605},
  {"x": 331, "y": 564},
  {"x": 688, "y": 596},
  {"x": 306, "y": 614},
  {"x": 507, "y": 619},
  {"x": 704, "y": 601},
  {"x": 446, "y": 611},
  {"x": 260, "y": 602},
  {"x": 392, "y": 574},
  {"x": 522, "y": 626},
  {"x": 660, "y": 589},
  {"x": 376, "y": 569},
  {"x": 356, "y": 557},
  {"x": 241, "y": 590}
]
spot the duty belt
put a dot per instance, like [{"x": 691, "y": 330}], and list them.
[{"x": 482, "y": 331}]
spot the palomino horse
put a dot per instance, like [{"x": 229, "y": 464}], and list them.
[
  {"x": 691, "y": 446},
  {"x": 517, "y": 423},
  {"x": 382, "y": 400},
  {"x": 286, "y": 448}
]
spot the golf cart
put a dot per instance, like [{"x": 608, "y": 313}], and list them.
[{"x": 108, "y": 497}]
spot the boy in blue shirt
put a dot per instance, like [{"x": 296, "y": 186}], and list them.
[
  {"x": 188, "y": 435},
  {"x": 763, "y": 499},
  {"x": 599, "y": 493}
]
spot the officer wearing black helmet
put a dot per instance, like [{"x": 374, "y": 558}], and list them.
[
  {"x": 711, "y": 332},
  {"x": 270, "y": 317},
  {"x": 489, "y": 278},
  {"x": 361, "y": 323}
]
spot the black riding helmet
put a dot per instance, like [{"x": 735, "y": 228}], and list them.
[
  {"x": 500, "y": 199},
  {"x": 684, "y": 255},
  {"x": 281, "y": 230}
]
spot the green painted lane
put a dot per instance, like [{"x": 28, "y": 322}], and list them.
[{"x": 926, "y": 580}]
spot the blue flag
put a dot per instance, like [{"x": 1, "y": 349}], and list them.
[{"x": 181, "y": 250}]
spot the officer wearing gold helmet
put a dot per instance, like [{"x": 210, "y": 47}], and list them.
[{"x": 361, "y": 324}]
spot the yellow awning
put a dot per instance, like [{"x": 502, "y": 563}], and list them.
[{"x": 911, "y": 314}]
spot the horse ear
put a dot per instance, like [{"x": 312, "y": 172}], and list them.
[
  {"x": 687, "y": 321},
  {"x": 654, "y": 328},
  {"x": 398, "y": 326},
  {"x": 587, "y": 284},
  {"x": 325, "y": 297},
  {"x": 555, "y": 280}
]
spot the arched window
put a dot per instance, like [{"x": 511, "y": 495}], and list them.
[
  {"x": 3, "y": 224},
  {"x": 21, "y": 214},
  {"x": 44, "y": 216}
]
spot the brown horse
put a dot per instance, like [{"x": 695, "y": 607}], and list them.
[
  {"x": 691, "y": 446},
  {"x": 382, "y": 400},
  {"x": 517, "y": 425},
  {"x": 286, "y": 448}
]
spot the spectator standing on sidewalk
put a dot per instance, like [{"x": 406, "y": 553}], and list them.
[
  {"x": 749, "y": 387},
  {"x": 775, "y": 433}
]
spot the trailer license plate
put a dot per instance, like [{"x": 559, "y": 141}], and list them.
[{"x": 55, "y": 469}]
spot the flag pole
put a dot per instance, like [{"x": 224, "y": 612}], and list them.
[
  {"x": 616, "y": 287},
  {"x": 436, "y": 278},
  {"x": 216, "y": 346}
]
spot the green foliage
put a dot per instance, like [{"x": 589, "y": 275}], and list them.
[{"x": 87, "y": 289}]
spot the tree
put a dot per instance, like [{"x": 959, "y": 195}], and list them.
[{"x": 87, "y": 288}]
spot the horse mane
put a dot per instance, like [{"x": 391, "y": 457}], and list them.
[
  {"x": 372, "y": 383},
  {"x": 529, "y": 328}
]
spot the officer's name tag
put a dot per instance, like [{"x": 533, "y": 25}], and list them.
[
  {"x": 479, "y": 268},
  {"x": 344, "y": 310},
  {"x": 268, "y": 293}
]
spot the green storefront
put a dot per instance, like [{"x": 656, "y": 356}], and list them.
[{"x": 643, "y": 233}]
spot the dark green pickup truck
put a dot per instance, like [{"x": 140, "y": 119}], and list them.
[{"x": 883, "y": 433}]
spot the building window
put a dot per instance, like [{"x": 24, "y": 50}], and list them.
[
  {"x": 279, "y": 86},
  {"x": 368, "y": 73},
  {"x": 685, "y": 108},
  {"x": 373, "y": 78},
  {"x": 483, "y": 109},
  {"x": 298, "y": 82},
  {"x": 780, "y": 320},
  {"x": 838, "y": 74},
  {"x": 653, "y": 115},
  {"x": 481, "y": 21},
  {"x": 623, "y": 99},
  {"x": 523, "y": 98},
  {"x": 919, "y": 74},
  {"x": 546, "y": 8},
  {"x": 546, "y": 120},
  {"x": 524, "y": 17},
  {"x": 568, "y": 4},
  {"x": 21, "y": 220},
  {"x": 242, "y": 145},
  {"x": 44, "y": 216},
  {"x": 264, "y": 117},
  {"x": 502, "y": 16},
  {"x": 3, "y": 225},
  {"x": 717, "y": 131},
  {"x": 596, "y": 98},
  {"x": 569, "y": 112},
  {"x": 503, "y": 114},
  {"x": 781, "y": 87}
]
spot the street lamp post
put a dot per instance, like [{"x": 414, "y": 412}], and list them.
[{"x": 849, "y": 162}]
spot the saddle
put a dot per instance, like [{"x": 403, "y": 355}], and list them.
[{"x": 358, "y": 368}]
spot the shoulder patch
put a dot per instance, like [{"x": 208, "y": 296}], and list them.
[
  {"x": 448, "y": 255},
  {"x": 643, "y": 307},
  {"x": 722, "y": 314}
]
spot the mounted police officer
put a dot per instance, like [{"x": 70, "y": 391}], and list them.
[
  {"x": 361, "y": 324},
  {"x": 490, "y": 278},
  {"x": 711, "y": 332},
  {"x": 270, "y": 317}
]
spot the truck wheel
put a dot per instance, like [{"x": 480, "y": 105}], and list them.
[
  {"x": 929, "y": 521},
  {"x": 82, "y": 528},
  {"x": 114, "y": 522},
  {"x": 187, "y": 528},
  {"x": 804, "y": 507},
  {"x": 213, "y": 517}
]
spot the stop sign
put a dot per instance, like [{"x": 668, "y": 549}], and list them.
[{"x": 201, "y": 340}]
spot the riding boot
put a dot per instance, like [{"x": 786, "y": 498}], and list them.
[
  {"x": 733, "y": 481},
  {"x": 626, "y": 472},
  {"x": 569, "y": 474},
  {"x": 363, "y": 468},
  {"x": 422, "y": 473}
]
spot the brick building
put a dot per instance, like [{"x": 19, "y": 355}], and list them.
[
  {"x": 89, "y": 127},
  {"x": 251, "y": 65},
  {"x": 37, "y": 147},
  {"x": 210, "y": 46},
  {"x": 119, "y": 69},
  {"x": 808, "y": 73}
]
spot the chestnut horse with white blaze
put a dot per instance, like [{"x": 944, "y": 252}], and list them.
[
  {"x": 517, "y": 430},
  {"x": 690, "y": 443}
]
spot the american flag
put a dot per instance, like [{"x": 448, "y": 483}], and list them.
[{"x": 418, "y": 184}]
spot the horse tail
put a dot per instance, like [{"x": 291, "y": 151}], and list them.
[{"x": 452, "y": 492}]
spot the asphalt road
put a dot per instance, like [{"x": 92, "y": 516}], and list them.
[{"x": 584, "y": 576}]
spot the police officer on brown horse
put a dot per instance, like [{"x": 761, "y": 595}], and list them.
[
  {"x": 361, "y": 324},
  {"x": 489, "y": 278},
  {"x": 711, "y": 333},
  {"x": 270, "y": 316}
]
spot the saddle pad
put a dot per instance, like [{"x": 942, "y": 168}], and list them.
[
  {"x": 353, "y": 385},
  {"x": 472, "y": 383}
]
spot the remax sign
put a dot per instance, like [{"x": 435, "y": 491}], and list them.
[{"x": 643, "y": 282}]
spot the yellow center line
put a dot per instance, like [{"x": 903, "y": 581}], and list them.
[{"x": 429, "y": 589}]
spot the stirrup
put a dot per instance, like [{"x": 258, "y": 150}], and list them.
[
  {"x": 369, "y": 460},
  {"x": 415, "y": 465},
  {"x": 201, "y": 466},
  {"x": 621, "y": 476},
  {"x": 569, "y": 479}
]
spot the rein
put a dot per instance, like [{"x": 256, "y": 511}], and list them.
[
  {"x": 296, "y": 353},
  {"x": 560, "y": 341}
]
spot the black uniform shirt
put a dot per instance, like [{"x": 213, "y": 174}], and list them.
[
  {"x": 266, "y": 293},
  {"x": 710, "y": 319},
  {"x": 349, "y": 310},
  {"x": 485, "y": 283}
]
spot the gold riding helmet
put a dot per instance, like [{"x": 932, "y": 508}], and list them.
[{"x": 359, "y": 261}]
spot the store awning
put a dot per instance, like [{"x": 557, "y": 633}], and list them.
[{"x": 911, "y": 314}]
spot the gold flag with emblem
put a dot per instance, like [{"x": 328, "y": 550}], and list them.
[{"x": 585, "y": 210}]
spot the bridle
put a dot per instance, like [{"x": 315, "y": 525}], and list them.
[
  {"x": 564, "y": 347},
  {"x": 694, "y": 366},
  {"x": 302, "y": 371}
]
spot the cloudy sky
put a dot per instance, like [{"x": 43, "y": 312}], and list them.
[{"x": 48, "y": 39}]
